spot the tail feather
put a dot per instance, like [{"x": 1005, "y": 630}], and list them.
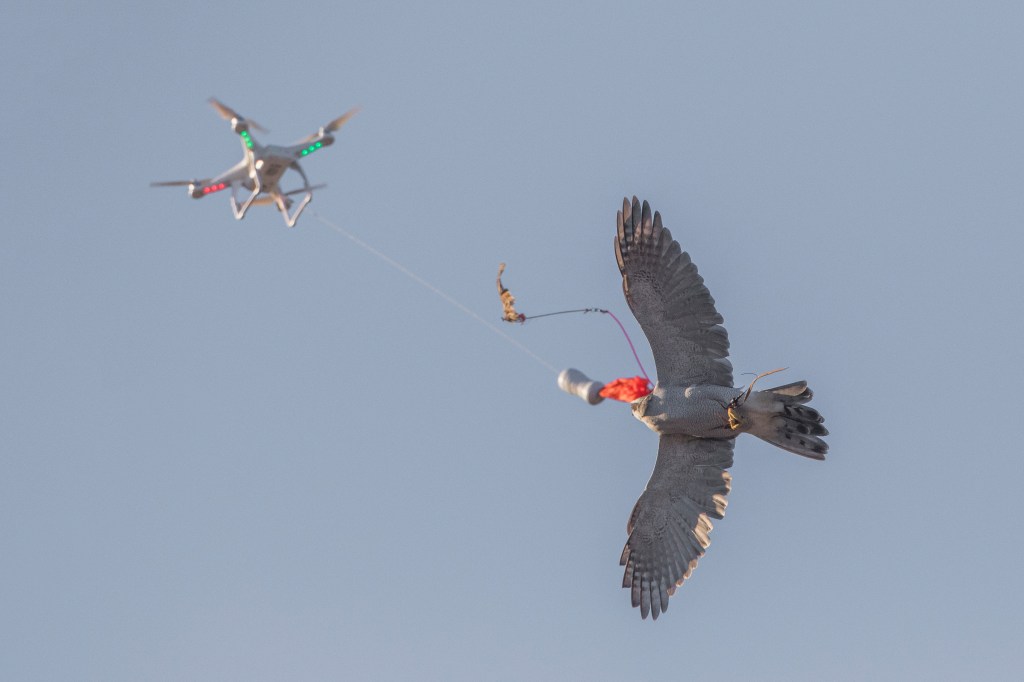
[
  {"x": 780, "y": 417},
  {"x": 797, "y": 389}
]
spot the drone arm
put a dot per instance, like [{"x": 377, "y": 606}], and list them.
[{"x": 249, "y": 144}]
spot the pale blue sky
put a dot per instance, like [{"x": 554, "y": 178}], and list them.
[{"x": 236, "y": 451}]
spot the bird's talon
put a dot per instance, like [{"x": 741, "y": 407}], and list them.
[{"x": 734, "y": 418}]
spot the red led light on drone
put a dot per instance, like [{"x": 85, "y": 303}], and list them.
[{"x": 214, "y": 188}]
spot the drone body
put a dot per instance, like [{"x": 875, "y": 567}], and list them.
[{"x": 260, "y": 171}]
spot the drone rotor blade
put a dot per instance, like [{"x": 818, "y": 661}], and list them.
[
  {"x": 177, "y": 183},
  {"x": 332, "y": 126},
  {"x": 302, "y": 189},
  {"x": 227, "y": 113},
  {"x": 340, "y": 121}
]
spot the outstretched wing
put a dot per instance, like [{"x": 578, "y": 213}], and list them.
[
  {"x": 669, "y": 300},
  {"x": 668, "y": 529}
]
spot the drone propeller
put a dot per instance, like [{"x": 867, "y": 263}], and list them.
[
  {"x": 227, "y": 113},
  {"x": 340, "y": 121},
  {"x": 178, "y": 183},
  {"x": 303, "y": 189},
  {"x": 332, "y": 126}
]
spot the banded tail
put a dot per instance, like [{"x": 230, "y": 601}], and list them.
[{"x": 779, "y": 415}]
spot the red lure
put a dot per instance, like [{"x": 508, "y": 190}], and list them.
[{"x": 626, "y": 390}]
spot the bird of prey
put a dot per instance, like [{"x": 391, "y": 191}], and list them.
[{"x": 694, "y": 408}]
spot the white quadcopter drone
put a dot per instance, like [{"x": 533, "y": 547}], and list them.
[{"x": 261, "y": 170}]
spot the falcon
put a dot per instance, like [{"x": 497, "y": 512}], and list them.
[{"x": 693, "y": 407}]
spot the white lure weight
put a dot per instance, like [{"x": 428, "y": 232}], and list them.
[{"x": 577, "y": 383}]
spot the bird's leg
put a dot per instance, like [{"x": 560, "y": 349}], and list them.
[
  {"x": 732, "y": 409},
  {"x": 731, "y": 420}
]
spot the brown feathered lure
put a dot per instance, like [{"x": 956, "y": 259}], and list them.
[{"x": 508, "y": 301}]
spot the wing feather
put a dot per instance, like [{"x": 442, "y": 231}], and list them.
[
  {"x": 669, "y": 526},
  {"x": 670, "y": 301}
]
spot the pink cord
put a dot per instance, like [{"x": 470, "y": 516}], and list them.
[
  {"x": 630, "y": 342},
  {"x": 524, "y": 318}
]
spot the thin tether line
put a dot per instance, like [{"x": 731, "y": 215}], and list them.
[{"x": 427, "y": 285}]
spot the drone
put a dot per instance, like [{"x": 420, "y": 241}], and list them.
[{"x": 259, "y": 173}]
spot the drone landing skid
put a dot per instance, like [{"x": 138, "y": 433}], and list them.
[
  {"x": 240, "y": 210},
  {"x": 292, "y": 218},
  {"x": 282, "y": 202}
]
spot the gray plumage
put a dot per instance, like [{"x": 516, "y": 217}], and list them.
[{"x": 694, "y": 407}]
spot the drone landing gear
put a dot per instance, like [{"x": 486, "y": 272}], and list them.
[
  {"x": 274, "y": 196},
  {"x": 240, "y": 210},
  {"x": 282, "y": 205}
]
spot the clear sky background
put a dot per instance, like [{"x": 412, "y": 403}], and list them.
[{"x": 230, "y": 450}]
